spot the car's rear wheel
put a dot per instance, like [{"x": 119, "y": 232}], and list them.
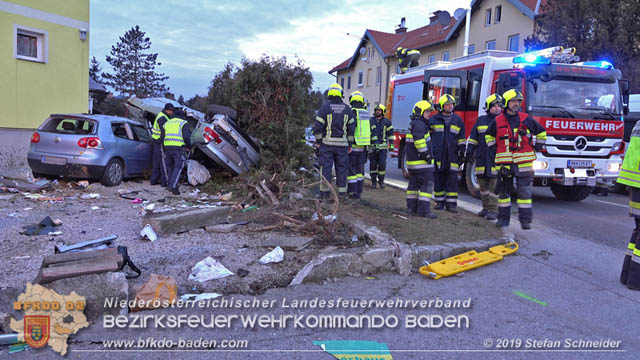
[{"x": 113, "y": 173}]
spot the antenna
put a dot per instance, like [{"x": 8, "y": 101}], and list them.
[
  {"x": 459, "y": 13},
  {"x": 444, "y": 18}
]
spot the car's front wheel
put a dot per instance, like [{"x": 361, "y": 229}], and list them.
[{"x": 113, "y": 173}]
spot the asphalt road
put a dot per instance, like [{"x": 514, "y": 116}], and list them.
[{"x": 604, "y": 220}]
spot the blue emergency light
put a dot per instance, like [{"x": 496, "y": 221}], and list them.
[
  {"x": 601, "y": 64},
  {"x": 531, "y": 59}
]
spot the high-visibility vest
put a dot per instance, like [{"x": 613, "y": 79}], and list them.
[
  {"x": 155, "y": 130},
  {"x": 521, "y": 149},
  {"x": 363, "y": 127},
  {"x": 173, "y": 132},
  {"x": 630, "y": 171}
]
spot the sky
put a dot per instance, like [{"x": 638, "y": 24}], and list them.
[{"x": 194, "y": 39}]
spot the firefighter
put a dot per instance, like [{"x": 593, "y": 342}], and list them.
[
  {"x": 158, "y": 167},
  {"x": 419, "y": 162},
  {"x": 630, "y": 176},
  {"x": 176, "y": 140},
  {"x": 407, "y": 58},
  {"x": 448, "y": 137},
  {"x": 334, "y": 128},
  {"x": 362, "y": 139},
  {"x": 512, "y": 136},
  {"x": 478, "y": 151},
  {"x": 381, "y": 139}
]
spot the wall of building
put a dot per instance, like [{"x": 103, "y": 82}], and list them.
[
  {"x": 31, "y": 90},
  {"x": 512, "y": 22},
  {"x": 367, "y": 64}
]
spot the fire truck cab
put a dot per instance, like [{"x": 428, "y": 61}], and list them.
[{"x": 580, "y": 104}]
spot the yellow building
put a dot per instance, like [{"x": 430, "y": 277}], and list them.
[{"x": 44, "y": 65}]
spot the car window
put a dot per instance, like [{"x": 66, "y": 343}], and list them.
[
  {"x": 120, "y": 131},
  {"x": 140, "y": 133},
  {"x": 69, "y": 126}
]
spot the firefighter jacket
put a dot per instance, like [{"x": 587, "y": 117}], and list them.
[
  {"x": 448, "y": 138},
  {"x": 381, "y": 133},
  {"x": 362, "y": 134},
  {"x": 630, "y": 172},
  {"x": 418, "y": 144},
  {"x": 513, "y": 137},
  {"x": 334, "y": 124},
  {"x": 477, "y": 145}
]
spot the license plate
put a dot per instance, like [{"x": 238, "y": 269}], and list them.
[
  {"x": 54, "y": 160},
  {"x": 579, "y": 163}
]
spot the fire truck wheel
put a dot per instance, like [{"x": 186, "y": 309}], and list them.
[
  {"x": 471, "y": 179},
  {"x": 571, "y": 193}
]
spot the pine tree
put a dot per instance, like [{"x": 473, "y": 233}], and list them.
[
  {"x": 134, "y": 67},
  {"x": 599, "y": 30},
  {"x": 95, "y": 70}
]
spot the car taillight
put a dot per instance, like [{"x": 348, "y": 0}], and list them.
[
  {"x": 617, "y": 149},
  {"x": 90, "y": 143},
  {"x": 35, "y": 138},
  {"x": 210, "y": 135}
]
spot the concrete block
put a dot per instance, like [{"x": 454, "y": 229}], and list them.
[
  {"x": 222, "y": 228},
  {"x": 378, "y": 258},
  {"x": 174, "y": 222},
  {"x": 431, "y": 253},
  {"x": 402, "y": 262},
  {"x": 379, "y": 237},
  {"x": 456, "y": 248},
  {"x": 325, "y": 266}
]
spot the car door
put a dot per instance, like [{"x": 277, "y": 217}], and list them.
[
  {"x": 125, "y": 147},
  {"x": 142, "y": 155}
]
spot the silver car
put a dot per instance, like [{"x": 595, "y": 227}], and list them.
[{"x": 82, "y": 146}]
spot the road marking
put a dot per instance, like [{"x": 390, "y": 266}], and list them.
[
  {"x": 610, "y": 203},
  {"x": 530, "y": 298}
]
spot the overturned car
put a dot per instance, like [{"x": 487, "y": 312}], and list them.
[{"x": 215, "y": 135}]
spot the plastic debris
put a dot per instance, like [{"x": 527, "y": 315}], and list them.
[
  {"x": 136, "y": 201},
  {"x": 27, "y": 209},
  {"x": 194, "y": 193},
  {"x": 196, "y": 173},
  {"x": 44, "y": 227},
  {"x": 250, "y": 208},
  {"x": 150, "y": 207},
  {"x": 354, "y": 238},
  {"x": 225, "y": 197},
  {"x": 95, "y": 208},
  {"x": 149, "y": 233},
  {"x": 327, "y": 218},
  {"x": 274, "y": 256},
  {"x": 55, "y": 233},
  {"x": 208, "y": 269},
  {"x": 90, "y": 196},
  {"x": 198, "y": 297}
]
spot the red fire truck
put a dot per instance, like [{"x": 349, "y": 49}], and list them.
[{"x": 581, "y": 105}]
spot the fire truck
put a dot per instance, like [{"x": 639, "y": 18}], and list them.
[{"x": 580, "y": 104}]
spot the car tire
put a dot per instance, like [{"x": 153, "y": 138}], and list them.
[
  {"x": 113, "y": 173},
  {"x": 471, "y": 180},
  {"x": 571, "y": 193}
]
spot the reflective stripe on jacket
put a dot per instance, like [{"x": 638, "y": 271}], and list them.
[{"x": 155, "y": 130}]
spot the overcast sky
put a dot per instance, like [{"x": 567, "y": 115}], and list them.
[{"x": 194, "y": 39}]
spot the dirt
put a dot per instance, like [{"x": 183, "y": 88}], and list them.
[{"x": 385, "y": 208}]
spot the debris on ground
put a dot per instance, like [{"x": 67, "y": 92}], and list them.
[
  {"x": 196, "y": 173},
  {"x": 158, "y": 291},
  {"x": 44, "y": 227},
  {"x": 90, "y": 196},
  {"x": 149, "y": 233},
  {"x": 199, "y": 297},
  {"x": 71, "y": 264},
  {"x": 96, "y": 244},
  {"x": 242, "y": 272},
  {"x": 208, "y": 269},
  {"x": 274, "y": 256}
]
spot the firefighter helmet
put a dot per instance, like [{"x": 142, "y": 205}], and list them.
[
  {"x": 493, "y": 99},
  {"x": 420, "y": 107},
  {"x": 335, "y": 90},
  {"x": 512, "y": 94},
  {"x": 446, "y": 99},
  {"x": 381, "y": 107},
  {"x": 356, "y": 96}
]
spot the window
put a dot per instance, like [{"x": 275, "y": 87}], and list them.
[
  {"x": 369, "y": 77},
  {"x": 140, "y": 133},
  {"x": 379, "y": 75},
  {"x": 513, "y": 43},
  {"x": 342, "y": 82},
  {"x": 30, "y": 44},
  {"x": 372, "y": 52},
  {"x": 349, "y": 82},
  {"x": 445, "y": 56},
  {"x": 487, "y": 17},
  {"x": 491, "y": 45},
  {"x": 360, "y": 78},
  {"x": 440, "y": 85},
  {"x": 120, "y": 131},
  {"x": 69, "y": 126},
  {"x": 432, "y": 59},
  {"x": 471, "y": 49},
  {"x": 498, "y": 15}
]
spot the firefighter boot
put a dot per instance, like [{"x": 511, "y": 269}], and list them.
[
  {"x": 633, "y": 279},
  {"x": 492, "y": 215},
  {"x": 452, "y": 208},
  {"x": 504, "y": 215},
  {"x": 483, "y": 213},
  {"x": 439, "y": 205},
  {"x": 624, "y": 274},
  {"x": 373, "y": 180},
  {"x": 381, "y": 181}
]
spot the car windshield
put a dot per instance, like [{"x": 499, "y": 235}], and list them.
[
  {"x": 574, "y": 98},
  {"x": 64, "y": 125}
]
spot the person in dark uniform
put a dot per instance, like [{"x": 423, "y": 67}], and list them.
[
  {"x": 381, "y": 139},
  {"x": 176, "y": 140},
  {"x": 158, "y": 167},
  {"x": 419, "y": 162}
]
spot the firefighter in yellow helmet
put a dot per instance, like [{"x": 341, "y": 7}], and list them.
[
  {"x": 479, "y": 154},
  {"x": 511, "y": 135},
  {"x": 362, "y": 140},
  {"x": 448, "y": 137},
  {"x": 381, "y": 139},
  {"x": 419, "y": 160},
  {"x": 334, "y": 128}
]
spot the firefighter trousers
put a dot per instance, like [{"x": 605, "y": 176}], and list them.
[
  {"x": 489, "y": 199},
  {"x": 525, "y": 204},
  {"x": 630, "y": 274},
  {"x": 328, "y": 156},
  {"x": 446, "y": 188},
  {"x": 378, "y": 166},
  {"x": 158, "y": 166},
  {"x": 419, "y": 191},
  {"x": 355, "y": 175}
]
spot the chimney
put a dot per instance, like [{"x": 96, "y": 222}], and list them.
[
  {"x": 433, "y": 19},
  {"x": 402, "y": 28}
]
